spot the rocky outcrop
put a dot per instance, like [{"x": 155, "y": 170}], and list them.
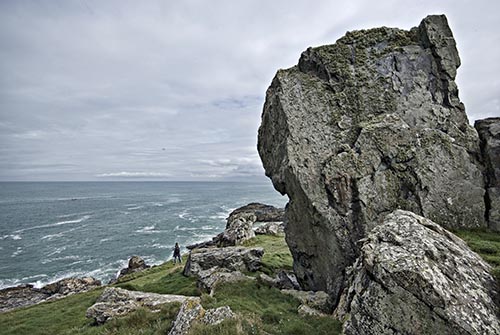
[
  {"x": 239, "y": 229},
  {"x": 116, "y": 302},
  {"x": 27, "y": 295},
  {"x": 135, "y": 264},
  {"x": 70, "y": 286},
  {"x": 240, "y": 224},
  {"x": 283, "y": 280},
  {"x": 414, "y": 277},
  {"x": 317, "y": 300},
  {"x": 271, "y": 228},
  {"x": 362, "y": 127},
  {"x": 191, "y": 311},
  {"x": 209, "y": 280},
  {"x": 489, "y": 133},
  {"x": 262, "y": 212},
  {"x": 223, "y": 259}
]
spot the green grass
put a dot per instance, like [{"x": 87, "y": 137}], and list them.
[
  {"x": 276, "y": 253},
  {"x": 54, "y": 317},
  {"x": 486, "y": 244},
  {"x": 263, "y": 310},
  {"x": 164, "y": 279}
]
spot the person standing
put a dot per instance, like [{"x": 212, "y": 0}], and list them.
[{"x": 177, "y": 253}]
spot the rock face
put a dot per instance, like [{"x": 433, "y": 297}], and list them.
[
  {"x": 489, "y": 133},
  {"x": 362, "y": 127},
  {"x": 414, "y": 277},
  {"x": 27, "y": 295},
  {"x": 115, "y": 302},
  {"x": 229, "y": 259},
  {"x": 262, "y": 212}
]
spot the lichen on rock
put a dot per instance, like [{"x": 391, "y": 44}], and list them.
[{"x": 357, "y": 129}]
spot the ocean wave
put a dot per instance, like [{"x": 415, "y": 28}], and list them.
[
  {"x": 134, "y": 208},
  {"x": 18, "y": 251},
  {"x": 147, "y": 230},
  {"x": 57, "y": 251},
  {"x": 60, "y": 223},
  {"x": 73, "y": 214},
  {"x": 58, "y": 259},
  {"x": 11, "y": 236}
]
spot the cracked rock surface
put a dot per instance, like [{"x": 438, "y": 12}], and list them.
[
  {"x": 357, "y": 129},
  {"x": 414, "y": 277}
]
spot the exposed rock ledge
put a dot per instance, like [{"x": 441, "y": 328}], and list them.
[
  {"x": 27, "y": 295},
  {"x": 414, "y": 277}
]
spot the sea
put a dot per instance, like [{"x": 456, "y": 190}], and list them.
[{"x": 55, "y": 230}]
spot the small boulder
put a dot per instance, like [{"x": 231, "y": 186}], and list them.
[
  {"x": 116, "y": 302},
  {"x": 191, "y": 311},
  {"x": 305, "y": 310},
  {"x": 229, "y": 258},
  {"x": 135, "y": 264},
  {"x": 215, "y": 316},
  {"x": 209, "y": 279},
  {"x": 271, "y": 228},
  {"x": 315, "y": 299},
  {"x": 238, "y": 230},
  {"x": 283, "y": 280}
]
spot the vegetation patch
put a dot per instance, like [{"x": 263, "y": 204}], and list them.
[
  {"x": 277, "y": 255},
  {"x": 487, "y": 244},
  {"x": 163, "y": 279}
]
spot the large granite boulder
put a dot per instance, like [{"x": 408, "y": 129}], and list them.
[
  {"x": 362, "y": 127},
  {"x": 224, "y": 259},
  {"x": 414, "y": 277},
  {"x": 116, "y": 302},
  {"x": 489, "y": 133}
]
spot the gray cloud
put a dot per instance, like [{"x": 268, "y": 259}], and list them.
[{"x": 96, "y": 90}]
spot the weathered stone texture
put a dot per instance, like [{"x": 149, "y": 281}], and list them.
[
  {"x": 489, "y": 133},
  {"x": 370, "y": 124},
  {"x": 414, "y": 277}
]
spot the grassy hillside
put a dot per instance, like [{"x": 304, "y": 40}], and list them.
[{"x": 261, "y": 310}]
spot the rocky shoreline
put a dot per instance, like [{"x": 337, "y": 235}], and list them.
[{"x": 240, "y": 227}]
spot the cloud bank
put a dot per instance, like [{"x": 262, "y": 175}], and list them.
[{"x": 94, "y": 90}]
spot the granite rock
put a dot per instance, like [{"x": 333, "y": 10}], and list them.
[
  {"x": 415, "y": 277},
  {"x": 357, "y": 129},
  {"x": 489, "y": 133}
]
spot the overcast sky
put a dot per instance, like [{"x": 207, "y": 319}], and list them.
[{"x": 173, "y": 90}]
